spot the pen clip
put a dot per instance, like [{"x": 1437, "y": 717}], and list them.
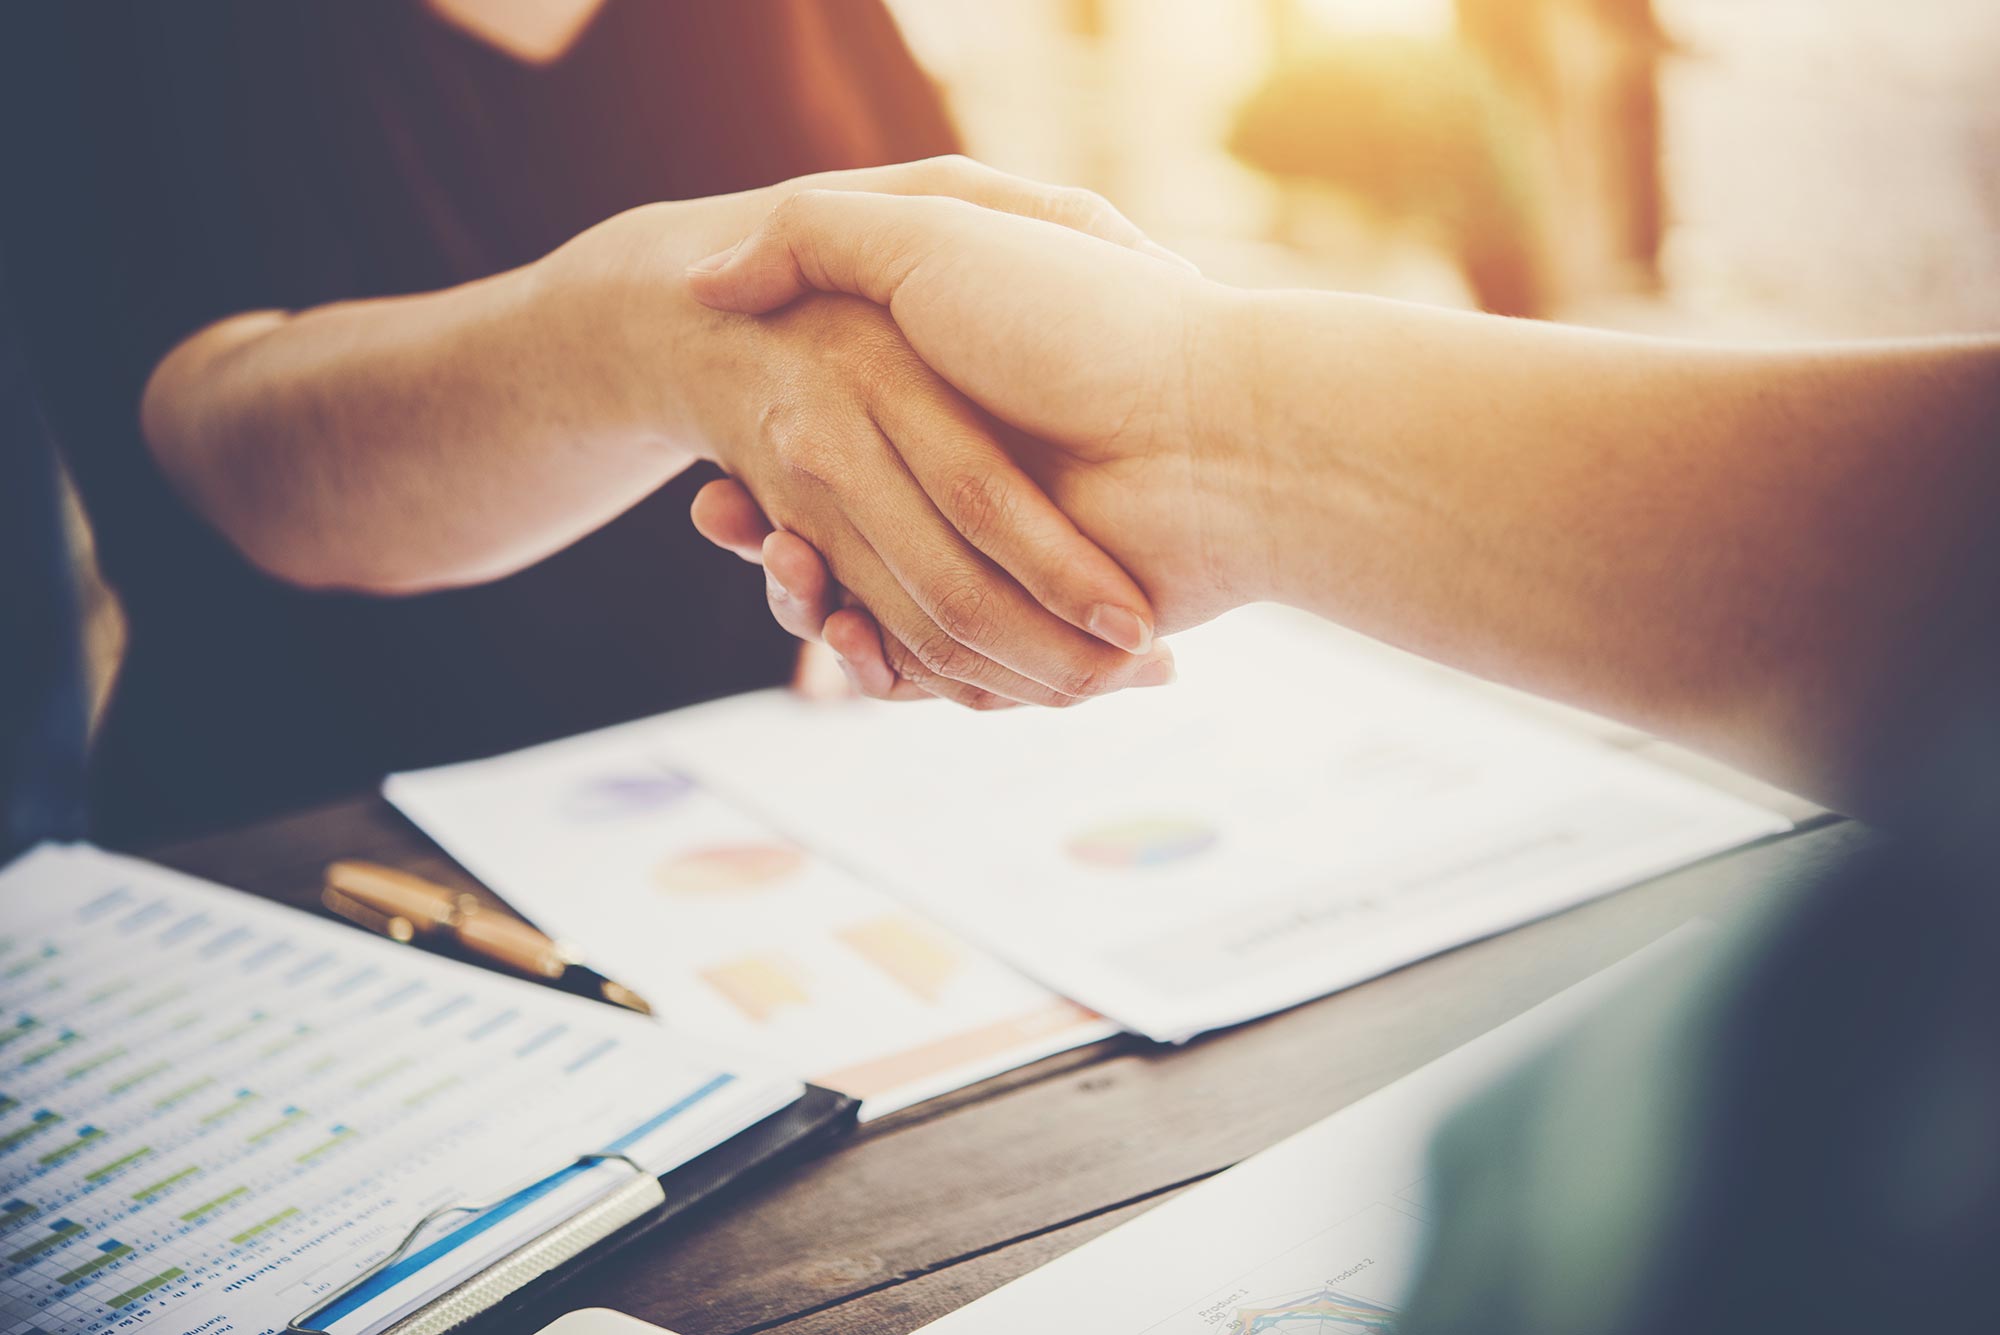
[{"x": 297, "y": 1326}]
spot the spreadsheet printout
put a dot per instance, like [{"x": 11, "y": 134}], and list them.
[{"x": 215, "y": 1110}]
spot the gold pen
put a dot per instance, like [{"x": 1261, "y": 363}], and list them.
[{"x": 403, "y": 906}]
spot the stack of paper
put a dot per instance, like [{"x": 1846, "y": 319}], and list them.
[
  {"x": 1300, "y": 813},
  {"x": 732, "y": 930}
]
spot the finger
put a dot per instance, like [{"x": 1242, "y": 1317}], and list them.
[
  {"x": 796, "y": 583},
  {"x": 977, "y": 617},
  {"x": 818, "y": 674},
  {"x": 913, "y": 676},
  {"x": 830, "y": 241},
  {"x": 935, "y": 659},
  {"x": 866, "y": 242},
  {"x": 852, "y": 634},
  {"x": 1067, "y": 206},
  {"x": 993, "y": 503},
  {"x": 725, "y": 513}
]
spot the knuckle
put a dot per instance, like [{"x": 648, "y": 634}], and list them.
[
  {"x": 789, "y": 210},
  {"x": 950, "y": 168},
  {"x": 943, "y": 656},
  {"x": 1085, "y": 210},
  {"x": 961, "y": 609},
  {"x": 797, "y": 446},
  {"x": 1079, "y": 683},
  {"x": 904, "y": 663},
  {"x": 978, "y": 506}
]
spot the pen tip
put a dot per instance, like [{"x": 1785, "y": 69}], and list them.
[{"x": 620, "y": 995}]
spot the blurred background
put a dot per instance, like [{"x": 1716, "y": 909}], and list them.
[
  {"x": 1742, "y": 169},
  {"x": 1729, "y": 168}
]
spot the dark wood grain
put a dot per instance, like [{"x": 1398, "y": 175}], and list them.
[
  {"x": 948, "y": 1200},
  {"x": 900, "y": 1308}
]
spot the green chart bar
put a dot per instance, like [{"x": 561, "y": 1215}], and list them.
[
  {"x": 43, "y": 1121},
  {"x": 138, "y": 1291},
  {"x": 85, "y": 1137},
  {"x": 42, "y": 1054},
  {"x": 230, "y": 1035},
  {"x": 165, "y": 1182},
  {"x": 139, "y": 1077},
  {"x": 109, "y": 1253},
  {"x": 183, "y": 1092},
  {"x": 154, "y": 1002},
  {"x": 14, "y": 1211},
  {"x": 270, "y": 1223},
  {"x": 85, "y": 1068},
  {"x": 116, "y": 1164},
  {"x": 59, "y": 1232},
  {"x": 376, "y": 1077},
  {"x": 340, "y": 1134},
  {"x": 291, "y": 1115},
  {"x": 216, "y": 1204},
  {"x": 429, "y": 1092},
  {"x": 244, "y": 1098}
]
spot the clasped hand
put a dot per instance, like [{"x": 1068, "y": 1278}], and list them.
[
  {"x": 876, "y": 471},
  {"x": 1046, "y": 408}
]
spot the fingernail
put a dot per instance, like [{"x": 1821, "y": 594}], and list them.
[
  {"x": 847, "y": 670},
  {"x": 715, "y": 261},
  {"x": 772, "y": 588},
  {"x": 1120, "y": 626},
  {"x": 1156, "y": 672}
]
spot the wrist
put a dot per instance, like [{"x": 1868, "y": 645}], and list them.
[
  {"x": 607, "y": 309},
  {"x": 1242, "y": 487}
]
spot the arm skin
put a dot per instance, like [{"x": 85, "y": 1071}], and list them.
[
  {"x": 421, "y": 442},
  {"x": 1784, "y": 556}
]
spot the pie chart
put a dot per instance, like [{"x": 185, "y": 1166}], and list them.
[
  {"x": 1155, "y": 841},
  {"x": 727, "y": 869},
  {"x": 620, "y": 795}
]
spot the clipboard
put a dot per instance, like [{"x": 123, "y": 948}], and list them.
[{"x": 502, "y": 1291}]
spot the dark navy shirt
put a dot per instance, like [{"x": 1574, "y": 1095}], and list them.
[
  {"x": 168, "y": 165},
  {"x": 41, "y": 679}
]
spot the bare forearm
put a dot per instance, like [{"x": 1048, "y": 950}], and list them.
[
  {"x": 403, "y": 443},
  {"x": 1785, "y": 557}
]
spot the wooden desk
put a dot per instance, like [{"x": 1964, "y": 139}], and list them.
[{"x": 927, "y": 1209}]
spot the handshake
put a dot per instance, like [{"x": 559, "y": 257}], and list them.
[{"x": 1029, "y": 496}]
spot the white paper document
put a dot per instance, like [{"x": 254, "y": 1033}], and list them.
[
  {"x": 1300, "y": 812},
  {"x": 730, "y": 929},
  {"x": 1322, "y": 1233},
  {"x": 215, "y": 1111}
]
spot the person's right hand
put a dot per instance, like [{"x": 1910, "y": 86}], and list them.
[
  {"x": 1090, "y": 355},
  {"x": 985, "y": 591}
]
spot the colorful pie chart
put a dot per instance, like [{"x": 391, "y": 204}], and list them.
[
  {"x": 1156, "y": 841},
  {"x": 619, "y": 796},
  {"x": 727, "y": 869}
]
